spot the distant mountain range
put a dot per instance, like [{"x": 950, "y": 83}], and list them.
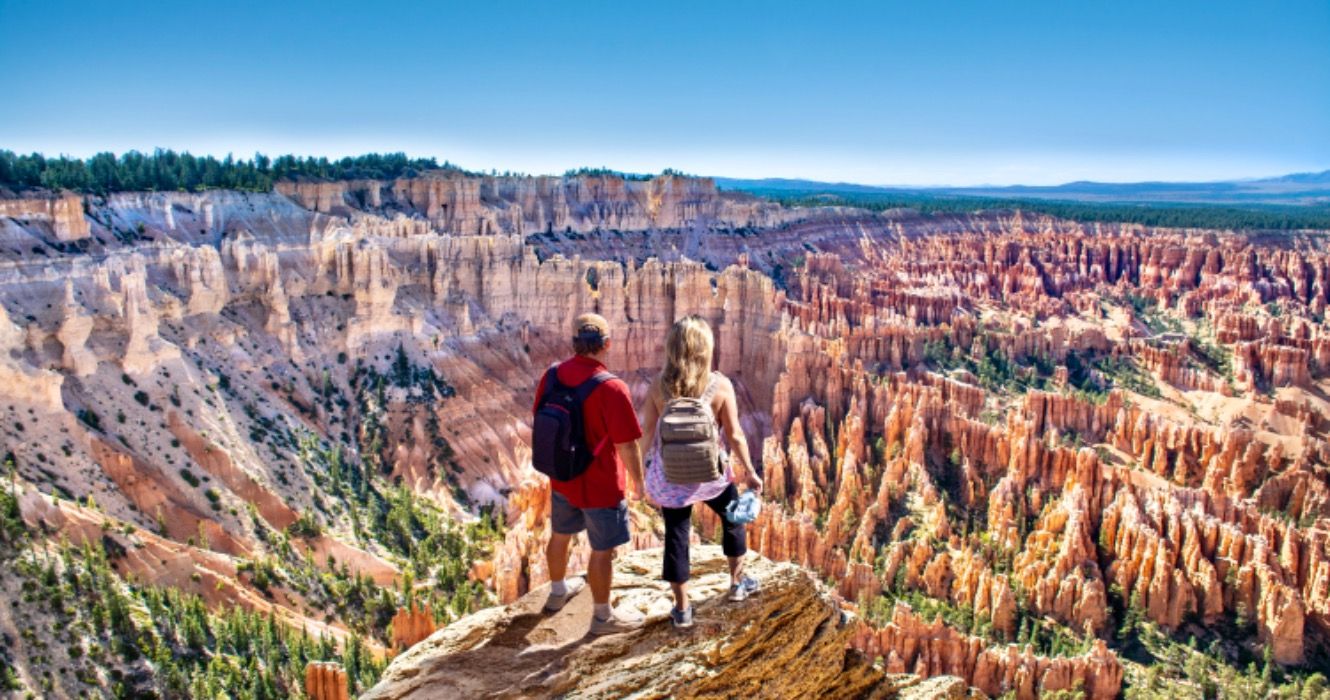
[{"x": 1302, "y": 189}]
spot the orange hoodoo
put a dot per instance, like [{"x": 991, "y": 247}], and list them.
[{"x": 326, "y": 681}]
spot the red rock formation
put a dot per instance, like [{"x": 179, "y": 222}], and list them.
[
  {"x": 410, "y": 626},
  {"x": 908, "y": 644},
  {"x": 1170, "y": 365},
  {"x": 325, "y": 681},
  {"x": 1270, "y": 364},
  {"x": 978, "y": 408}
]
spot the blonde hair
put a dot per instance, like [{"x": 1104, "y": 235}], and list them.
[{"x": 688, "y": 348}]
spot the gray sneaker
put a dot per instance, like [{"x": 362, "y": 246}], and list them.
[
  {"x": 682, "y": 619},
  {"x": 617, "y": 623},
  {"x": 746, "y": 586},
  {"x": 555, "y": 603}
]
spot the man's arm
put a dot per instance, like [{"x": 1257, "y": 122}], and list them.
[{"x": 632, "y": 459}]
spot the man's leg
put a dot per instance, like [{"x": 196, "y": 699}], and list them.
[
  {"x": 600, "y": 574},
  {"x": 556, "y": 555},
  {"x": 607, "y": 528},
  {"x": 565, "y": 522}
]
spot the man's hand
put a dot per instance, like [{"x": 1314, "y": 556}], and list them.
[
  {"x": 632, "y": 459},
  {"x": 637, "y": 491}
]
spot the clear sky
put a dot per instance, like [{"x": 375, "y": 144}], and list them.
[{"x": 918, "y": 92}]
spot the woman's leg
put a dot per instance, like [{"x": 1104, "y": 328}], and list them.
[
  {"x": 680, "y": 595},
  {"x": 734, "y": 537},
  {"x": 678, "y": 526}
]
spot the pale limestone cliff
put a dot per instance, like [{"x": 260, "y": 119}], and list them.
[
  {"x": 63, "y": 213},
  {"x": 486, "y": 205}
]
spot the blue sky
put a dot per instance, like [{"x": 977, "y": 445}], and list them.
[{"x": 937, "y": 92}]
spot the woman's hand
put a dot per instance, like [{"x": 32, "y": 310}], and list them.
[{"x": 754, "y": 483}]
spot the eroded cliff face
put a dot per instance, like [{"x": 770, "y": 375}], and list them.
[
  {"x": 1026, "y": 429},
  {"x": 61, "y": 215},
  {"x": 250, "y": 387},
  {"x": 911, "y": 645},
  {"x": 1095, "y": 445},
  {"x": 480, "y": 205}
]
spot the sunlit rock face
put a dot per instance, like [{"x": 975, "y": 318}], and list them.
[
  {"x": 60, "y": 215},
  {"x": 1038, "y": 422},
  {"x": 474, "y": 205},
  {"x": 791, "y": 642}
]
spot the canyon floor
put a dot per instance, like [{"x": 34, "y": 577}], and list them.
[{"x": 245, "y": 431}]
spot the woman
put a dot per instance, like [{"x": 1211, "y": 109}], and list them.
[{"x": 687, "y": 373}]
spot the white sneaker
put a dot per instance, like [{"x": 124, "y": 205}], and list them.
[
  {"x": 618, "y": 622},
  {"x": 555, "y": 603}
]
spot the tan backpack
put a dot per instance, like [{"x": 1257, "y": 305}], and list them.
[{"x": 689, "y": 453}]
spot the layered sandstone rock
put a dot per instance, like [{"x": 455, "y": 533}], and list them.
[
  {"x": 144, "y": 348},
  {"x": 912, "y": 645},
  {"x": 325, "y": 681},
  {"x": 62, "y": 213},
  {"x": 788, "y": 642},
  {"x": 1010, "y": 414},
  {"x": 411, "y": 625},
  {"x": 23, "y": 382},
  {"x": 485, "y": 205}
]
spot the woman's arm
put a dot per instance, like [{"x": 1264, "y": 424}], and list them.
[
  {"x": 734, "y": 434},
  {"x": 650, "y": 416}
]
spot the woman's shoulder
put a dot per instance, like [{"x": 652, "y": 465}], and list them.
[{"x": 722, "y": 382}]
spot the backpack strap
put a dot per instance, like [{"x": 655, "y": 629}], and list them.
[
  {"x": 710, "y": 391},
  {"x": 551, "y": 381},
  {"x": 712, "y": 387},
  {"x": 584, "y": 389}
]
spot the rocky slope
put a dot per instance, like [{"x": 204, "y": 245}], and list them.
[
  {"x": 788, "y": 642},
  {"x": 1034, "y": 433}
]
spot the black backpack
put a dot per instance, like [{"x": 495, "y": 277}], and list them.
[{"x": 558, "y": 433}]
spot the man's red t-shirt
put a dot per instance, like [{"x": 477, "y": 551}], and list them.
[{"x": 610, "y": 420}]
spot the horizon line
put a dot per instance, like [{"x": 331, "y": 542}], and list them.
[{"x": 683, "y": 172}]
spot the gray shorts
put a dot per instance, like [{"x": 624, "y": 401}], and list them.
[{"x": 606, "y": 528}]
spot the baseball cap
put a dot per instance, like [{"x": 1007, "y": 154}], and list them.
[{"x": 591, "y": 327}]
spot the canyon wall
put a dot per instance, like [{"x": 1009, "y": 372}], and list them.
[
  {"x": 483, "y": 205},
  {"x": 1030, "y": 427}
]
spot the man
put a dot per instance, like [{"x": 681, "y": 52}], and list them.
[{"x": 595, "y": 499}]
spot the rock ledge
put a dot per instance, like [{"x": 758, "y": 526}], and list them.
[{"x": 790, "y": 641}]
